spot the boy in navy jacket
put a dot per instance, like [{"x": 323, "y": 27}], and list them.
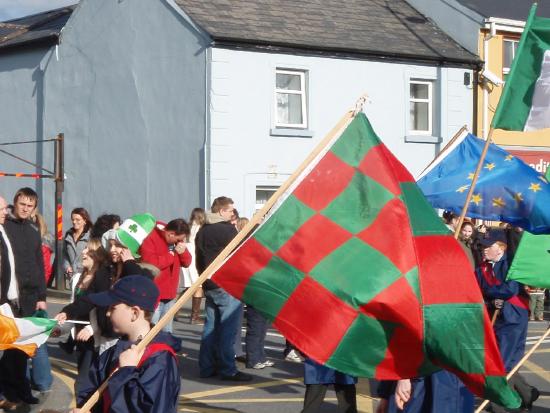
[
  {"x": 511, "y": 300},
  {"x": 144, "y": 382}
]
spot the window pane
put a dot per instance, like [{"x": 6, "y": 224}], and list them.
[
  {"x": 419, "y": 91},
  {"x": 508, "y": 53},
  {"x": 420, "y": 116},
  {"x": 288, "y": 82},
  {"x": 289, "y": 109},
  {"x": 262, "y": 196}
]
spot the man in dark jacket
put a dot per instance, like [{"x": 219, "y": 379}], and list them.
[
  {"x": 217, "y": 355},
  {"x": 30, "y": 288},
  {"x": 27, "y": 250}
]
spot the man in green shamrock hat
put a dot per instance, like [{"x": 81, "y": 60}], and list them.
[{"x": 134, "y": 230}]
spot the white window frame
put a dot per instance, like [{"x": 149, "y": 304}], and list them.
[
  {"x": 302, "y": 93},
  {"x": 258, "y": 206},
  {"x": 515, "y": 43},
  {"x": 429, "y": 100}
]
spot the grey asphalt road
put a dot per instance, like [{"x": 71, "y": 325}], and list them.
[{"x": 275, "y": 389}]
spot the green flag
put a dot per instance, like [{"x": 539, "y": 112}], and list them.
[
  {"x": 532, "y": 260},
  {"x": 525, "y": 102},
  {"x": 355, "y": 268}
]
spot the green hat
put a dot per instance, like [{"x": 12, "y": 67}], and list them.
[{"x": 134, "y": 230}]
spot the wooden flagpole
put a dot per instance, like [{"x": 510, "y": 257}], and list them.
[
  {"x": 469, "y": 197},
  {"x": 495, "y": 315},
  {"x": 256, "y": 220},
  {"x": 518, "y": 366},
  {"x": 474, "y": 181},
  {"x": 457, "y": 232}
]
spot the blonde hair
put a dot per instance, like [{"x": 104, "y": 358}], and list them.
[
  {"x": 41, "y": 223},
  {"x": 241, "y": 223},
  {"x": 198, "y": 216},
  {"x": 97, "y": 253}
]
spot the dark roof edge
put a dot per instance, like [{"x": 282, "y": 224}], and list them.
[
  {"x": 266, "y": 47},
  {"x": 46, "y": 41},
  {"x": 57, "y": 12}
]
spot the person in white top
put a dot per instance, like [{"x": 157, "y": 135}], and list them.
[
  {"x": 190, "y": 274},
  {"x": 8, "y": 282},
  {"x": 7, "y": 272}
]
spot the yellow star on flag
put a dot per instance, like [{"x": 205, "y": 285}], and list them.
[
  {"x": 489, "y": 166},
  {"x": 534, "y": 187},
  {"x": 498, "y": 202},
  {"x": 471, "y": 176},
  {"x": 508, "y": 158},
  {"x": 476, "y": 199},
  {"x": 518, "y": 197},
  {"x": 462, "y": 188}
]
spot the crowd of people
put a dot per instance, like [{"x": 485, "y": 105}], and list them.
[
  {"x": 472, "y": 238},
  {"x": 125, "y": 275},
  {"x": 106, "y": 264}
]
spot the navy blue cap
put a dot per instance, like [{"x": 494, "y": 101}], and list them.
[
  {"x": 492, "y": 237},
  {"x": 132, "y": 290}
]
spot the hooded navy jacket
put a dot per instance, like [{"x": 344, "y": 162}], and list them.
[
  {"x": 511, "y": 325},
  {"x": 152, "y": 387}
]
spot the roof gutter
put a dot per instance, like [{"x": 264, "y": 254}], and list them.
[
  {"x": 258, "y": 46},
  {"x": 46, "y": 41},
  {"x": 508, "y": 25}
]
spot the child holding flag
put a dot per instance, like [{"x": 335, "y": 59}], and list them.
[{"x": 147, "y": 381}]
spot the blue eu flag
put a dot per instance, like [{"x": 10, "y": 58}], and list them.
[{"x": 507, "y": 188}]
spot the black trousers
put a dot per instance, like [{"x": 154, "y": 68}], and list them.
[
  {"x": 86, "y": 355},
  {"x": 524, "y": 389},
  {"x": 13, "y": 380},
  {"x": 315, "y": 394}
]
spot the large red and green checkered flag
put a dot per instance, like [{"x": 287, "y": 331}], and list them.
[{"x": 354, "y": 267}]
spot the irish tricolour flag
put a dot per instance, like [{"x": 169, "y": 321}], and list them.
[
  {"x": 25, "y": 334},
  {"x": 525, "y": 102}
]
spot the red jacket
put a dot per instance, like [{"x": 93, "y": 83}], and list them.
[
  {"x": 47, "y": 254},
  {"x": 154, "y": 250}
]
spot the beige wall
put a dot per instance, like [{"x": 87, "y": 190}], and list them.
[{"x": 496, "y": 58}]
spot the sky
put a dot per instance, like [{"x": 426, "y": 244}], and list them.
[{"x": 12, "y": 9}]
